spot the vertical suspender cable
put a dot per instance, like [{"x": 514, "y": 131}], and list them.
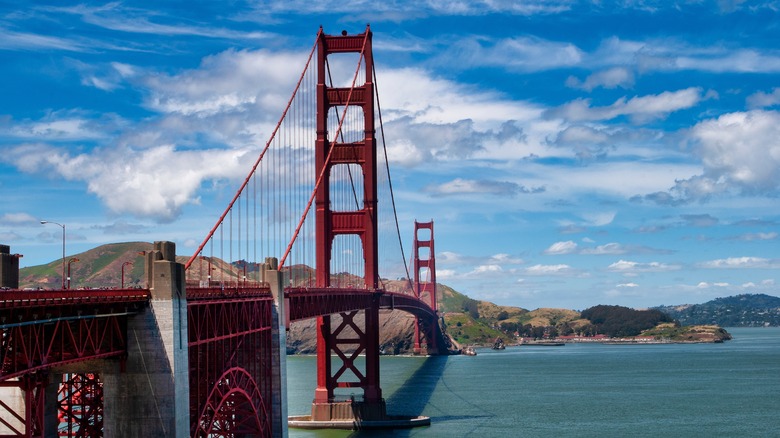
[{"x": 262, "y": 154}]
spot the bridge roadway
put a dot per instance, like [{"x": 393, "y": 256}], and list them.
[
  {"x": 58, "y": 330},
  {"x": 58, "y": 327}
]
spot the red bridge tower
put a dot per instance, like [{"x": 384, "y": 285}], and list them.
[{"x": 334, "y": 340}]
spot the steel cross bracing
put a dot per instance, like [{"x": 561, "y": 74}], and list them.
[{"x": 42, "y": 329}]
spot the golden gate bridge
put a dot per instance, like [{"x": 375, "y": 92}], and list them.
[{"x": 202, "y": 354}]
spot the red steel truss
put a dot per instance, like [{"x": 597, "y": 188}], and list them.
[
  {"x": 230, "y": 353},
  {"x": 43, "y": 329},
  {"x": 80, "y": 406},
  {"x": 39, "y": 330}
]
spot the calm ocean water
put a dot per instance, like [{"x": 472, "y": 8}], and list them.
[{"x": 583, "y": 390}]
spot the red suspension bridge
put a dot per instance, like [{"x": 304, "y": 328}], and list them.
[{"x": 202, "y": 354}]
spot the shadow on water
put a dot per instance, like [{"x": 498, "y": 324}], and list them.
[{"x": 415, "y": 394}]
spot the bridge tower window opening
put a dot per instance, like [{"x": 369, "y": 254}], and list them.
[
  {"x": 347, "y": 262},
  {"x": 346, "y": 184}
]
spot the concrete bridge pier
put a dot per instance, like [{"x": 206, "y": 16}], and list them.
[
  {"x": 274, "y": 277},
  {"x": 148, "y": 395}
]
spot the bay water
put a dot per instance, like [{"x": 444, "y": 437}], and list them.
[{"x": 578, "y": 390}]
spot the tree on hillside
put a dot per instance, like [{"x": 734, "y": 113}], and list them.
[
  {"x": 618, "y": 321},
  {"x": 472, "y": 307}
]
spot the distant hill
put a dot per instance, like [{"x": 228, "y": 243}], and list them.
[
  {"x": 747, "y": 310},
  {"x": 99, "y": 267}
]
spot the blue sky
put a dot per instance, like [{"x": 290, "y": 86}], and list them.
[{"x": 571, "y": 153}]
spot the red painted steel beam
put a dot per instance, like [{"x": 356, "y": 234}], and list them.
[{"x": 38, "y": 299}]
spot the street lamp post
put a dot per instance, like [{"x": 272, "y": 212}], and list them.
[
  {"x": 63, "y": 248},
  {"x": 123, "y": 273},
  {"x": 73, "y": 260}
]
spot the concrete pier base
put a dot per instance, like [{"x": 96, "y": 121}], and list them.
[
  {"x": 354, "y": 415},
  {"x": 150, "y": 396}
]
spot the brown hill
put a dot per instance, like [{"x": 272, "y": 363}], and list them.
[{"x": 99, "y": 267}]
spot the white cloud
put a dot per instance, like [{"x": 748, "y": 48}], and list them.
[
  {"x": 551, "y": 270},
  {"x": 630, "y": 267},
  {"x": 445, "y": 274},
  {"x": 741, "y": 263},
  {"x": 611, "y": 78},
  {"x": 607, "y": 249},
  {"x": 228, "y": 82},
  {"x": 143, "y": 183},
  {"x": 523, "y": 53},
  {"x": 640, "y": 109},
  {"x": 559, "y": 248},
  {"x": 11, "y": 40},
  {"x": 599, "y": 219},
  {"x": 460, "y": 186},
  {"x": 760, "y": 99},
  {"x": 629, "y": 285},
  {"x": 506, "y": 259},
  {"x": 759, "y": 236},
  {"x": 740, "y": 153},
  {"x": 18, "y": 219}
]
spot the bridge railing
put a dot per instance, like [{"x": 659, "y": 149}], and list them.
[
  {"x": 19, "y": 298},
  {"x": 227, "y": 290}
]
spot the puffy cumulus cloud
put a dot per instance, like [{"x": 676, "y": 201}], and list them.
[
  {"x": 740, "y": 153},
  {"x": 156, "y": 182},
  {"x": 640, "y": 109},
  {"x": 460, "y": 186},
  {"x": 611, "y": 78},
  {"x": 446, "y": 120},
  {"x": 760, "y": 99},
  {"x": 742, "y": 148},
  {"x": 742, "y": 263},
  {"x": 231, "y": 81},
  {"x": 406, "y": 153},
  {"x": 560, "y": 248}
]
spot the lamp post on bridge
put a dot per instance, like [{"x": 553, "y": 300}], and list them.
[
  {"x": 73, "y": 260},
  {"x": 63, "y": 248},
  {"x": 123, "y": 273},
  {"x": 208, "y": 274}
]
